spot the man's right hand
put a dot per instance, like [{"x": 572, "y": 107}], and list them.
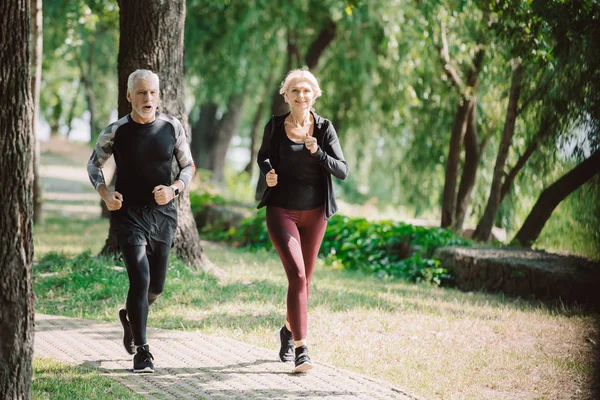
[
  {"x": 113, "y": 200},
  {"x": 271, "y": 178}
]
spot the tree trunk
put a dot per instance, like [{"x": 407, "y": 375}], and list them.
[
  {"x": 469, "y": 174},
  {"x": 227, "y": 127},
  {"x": 16, "y": 213},
  {"x": 151, "y": 36},
  {"x": 467, "y": 93},
  {"x": 531, "y": 148},
  {"x": 318, "y": 46},
  {"x": 553, "y": 195},
  {"x": 36, "y": 81},
  {"x": 484, "y": 227},
  {"x": 203, "y": 133},
  {"x": 459, "y": 128}
]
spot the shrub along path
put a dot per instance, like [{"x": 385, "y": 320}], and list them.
[{"x": 190, "y": 365}]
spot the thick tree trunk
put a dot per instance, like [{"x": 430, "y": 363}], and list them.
[
  {"x": 469, "y": 174},
  {"x": 151, "y": 36},
  {"x": 16, "y": 213},
  {"x": 36, "y": 81},
  {"x": 486, "y": 223},
  {"x": 203, "y": 134},
  {"x": 553, "y": 195},
  {"x": 227, "y": 127}
]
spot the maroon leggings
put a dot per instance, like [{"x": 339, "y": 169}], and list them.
[{"x": 297, "y": 236}]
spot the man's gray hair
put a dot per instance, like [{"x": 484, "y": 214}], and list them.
[{"x": 141, "y": 74}]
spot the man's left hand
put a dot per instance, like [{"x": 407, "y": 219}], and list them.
[{"x": 163, "y": 194}]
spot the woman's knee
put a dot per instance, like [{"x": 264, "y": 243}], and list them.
[{"x": 297, "y": 280}]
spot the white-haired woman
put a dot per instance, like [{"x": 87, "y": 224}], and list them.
[{"x": 300, "y": 152}]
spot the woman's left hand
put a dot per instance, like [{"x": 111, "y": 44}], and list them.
[{"x": 311, "y": 143}]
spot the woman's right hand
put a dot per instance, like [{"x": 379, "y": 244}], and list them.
[{"x": 271, "y": 178}]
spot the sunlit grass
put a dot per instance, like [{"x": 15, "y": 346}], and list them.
[
  {"x": 55, "y": 381},
  {"x": 70, "y": 234},
  {"x": 438, "y": 342}
]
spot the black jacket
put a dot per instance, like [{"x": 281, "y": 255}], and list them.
[{"x": 329, "y": 154}]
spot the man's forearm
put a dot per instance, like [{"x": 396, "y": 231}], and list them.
[{"x": 102, "y": 191}]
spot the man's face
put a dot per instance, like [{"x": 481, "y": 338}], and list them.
[{"x": 144, "y": 99}]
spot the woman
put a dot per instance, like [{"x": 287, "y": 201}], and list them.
[{"x": 299, "y": 153}]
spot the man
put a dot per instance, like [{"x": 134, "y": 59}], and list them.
[{"x": 142, "y": 211}]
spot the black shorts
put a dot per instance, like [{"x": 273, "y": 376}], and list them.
[{"x": 152, "y": 225}]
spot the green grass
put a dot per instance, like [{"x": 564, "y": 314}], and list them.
[
  {"x": 438, "y": 342},
  {"x": 55, "y": 381}
]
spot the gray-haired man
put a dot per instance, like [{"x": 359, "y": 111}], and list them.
[{"x": 142, "y": 211}]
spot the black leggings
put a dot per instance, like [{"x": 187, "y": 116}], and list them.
[
  {"x": 145, "y": 236},
  {"x": 297, "y": 237},
  {"x": 147, "y": 275}
]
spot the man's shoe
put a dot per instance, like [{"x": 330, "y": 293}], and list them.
[
  {"x": 127, "y": 335},
  {"x": 302, "y": 361},
  {"x": 286, "y": 352},
  {"x": 142, "y": 361}
]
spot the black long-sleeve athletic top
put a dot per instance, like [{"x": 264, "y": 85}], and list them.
[{"x": 143, "y": 155}]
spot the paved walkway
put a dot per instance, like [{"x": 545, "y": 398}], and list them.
[{"x": 192, "y": 365}]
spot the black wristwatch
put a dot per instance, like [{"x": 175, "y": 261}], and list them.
[{"x": 175, "y": 191}]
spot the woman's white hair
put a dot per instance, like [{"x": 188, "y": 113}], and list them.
[
  {"x": 141, "y": 74},
  {"x": 296, "y": 75}
]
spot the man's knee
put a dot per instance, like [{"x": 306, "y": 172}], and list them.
[{"x": 153, "y": 295}]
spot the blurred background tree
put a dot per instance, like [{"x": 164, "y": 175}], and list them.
[{"x": 457, "y": 112}]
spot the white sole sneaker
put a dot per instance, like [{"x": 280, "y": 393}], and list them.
[{"x": 302, "y": 368}]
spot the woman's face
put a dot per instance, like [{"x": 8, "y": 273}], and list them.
[{"x": 300, "y": 95}]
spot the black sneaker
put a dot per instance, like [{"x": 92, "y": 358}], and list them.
[
  {"x": 286, "y": 352},
  {"x": 302, "y": 360},
  {"x": 142, "y": 361},
  {"x": 127, "y": 335}
]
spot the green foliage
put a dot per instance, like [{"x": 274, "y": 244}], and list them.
[
  {"x": 80, "y": 42},
  {"x": 383, "y": 248}
]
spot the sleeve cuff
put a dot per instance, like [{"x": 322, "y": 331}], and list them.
[{"x": 319, "y": 154}]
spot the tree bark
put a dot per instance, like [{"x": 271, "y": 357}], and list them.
[
  {"x": 16, "y": 213},
  {"x": 151, "y": 37},
  {"x": 472, "y": 156},
  {"x": 203, "y": 133},
  {"x": 553, "y": 195},
  {"x": 484, "y": 227},
  {"x": 36, "y": 81}
]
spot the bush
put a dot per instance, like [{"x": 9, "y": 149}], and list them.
[{"x": 386, "y": 248}]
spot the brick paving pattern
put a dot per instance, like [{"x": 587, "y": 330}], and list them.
[{"x": 191, "y": 365}]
